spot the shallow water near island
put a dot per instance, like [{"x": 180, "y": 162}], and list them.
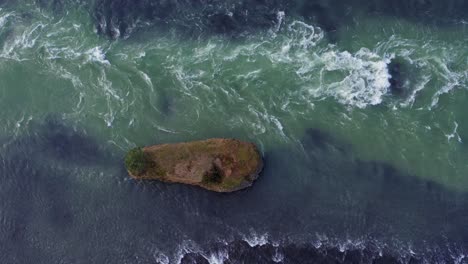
[{"x": 353, "y": 172}]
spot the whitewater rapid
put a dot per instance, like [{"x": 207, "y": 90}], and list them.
[{"x": 353, "y": 166}]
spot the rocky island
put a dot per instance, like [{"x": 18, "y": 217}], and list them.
[{"x": 220, "y": 165}]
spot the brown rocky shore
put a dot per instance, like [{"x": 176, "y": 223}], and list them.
[{"x": 220, "y": 165}]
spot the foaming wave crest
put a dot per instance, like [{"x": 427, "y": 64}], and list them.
[
  {"x": 267, "y": 77},
  {"x": 366, "y": 77},
  {"x": 322, "y": 250},
  {"x": 357, "y": 79}
]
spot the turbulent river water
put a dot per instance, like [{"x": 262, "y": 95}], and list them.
[{"x": 359, "y": 108}]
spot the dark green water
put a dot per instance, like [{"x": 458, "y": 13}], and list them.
[{"x": 351, "y": 163}]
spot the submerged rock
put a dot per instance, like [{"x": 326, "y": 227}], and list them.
[
  {"x": 396, "y": 82},
  {"x": 398, "y": 69},
  {"x": 221, "y": 165}
]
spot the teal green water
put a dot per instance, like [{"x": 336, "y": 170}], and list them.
[
  {"x": 267, "y": 88},
  {"x": 349, "y": 164}
]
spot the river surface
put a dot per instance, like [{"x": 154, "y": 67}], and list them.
[{"x": 359, "y": 108}]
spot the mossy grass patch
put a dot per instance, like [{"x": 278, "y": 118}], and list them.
[{"x": 137, "y": 161}]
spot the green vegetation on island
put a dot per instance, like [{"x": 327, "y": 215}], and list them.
[
  {"x": 137, "y": 161},
  {"x": 222, "y": 165}
]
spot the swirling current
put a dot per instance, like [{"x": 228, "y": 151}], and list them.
[{"x": 358, "y": 107}]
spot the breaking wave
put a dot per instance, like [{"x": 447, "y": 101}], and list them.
[{"x": 258, "y": 250}]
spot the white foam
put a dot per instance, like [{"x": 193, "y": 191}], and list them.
[
  {"x": 140, "y": 55},
  {"x": 418, "y": 87},
  {"x": 366, "y": 77},
  {"x": 306, "y": 35},
  {"x": 278, "y": 256},
  {"x": 147, "y": 79},
  {"x": 65, "y": 74},
  {"x": 252, "y": 75},
  {"x": 115, "y": 30},
  {"x": 278, "y": 125},
  {"x": 218, "y": 257},
  {"x": 453, "y": 80},
  {"x": 460, "y": 259},
  {"x": 96, "y": 55},
  {"x": 254, "y": 239},
  {"x": 454, "y": 134},
  {"x": 22, "y": 38},
  {"x": 205, "y": 52},
  {"x": 363, "y": 76},
  {"x": 160, "y": 258},
  {"x": 280, "y": 17},
  {"x": 186, "y": 247},
  {"x": 4, "y": 18},
  {"x": 164, "y": 129},
  {"x": 113, "y": 99}
]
